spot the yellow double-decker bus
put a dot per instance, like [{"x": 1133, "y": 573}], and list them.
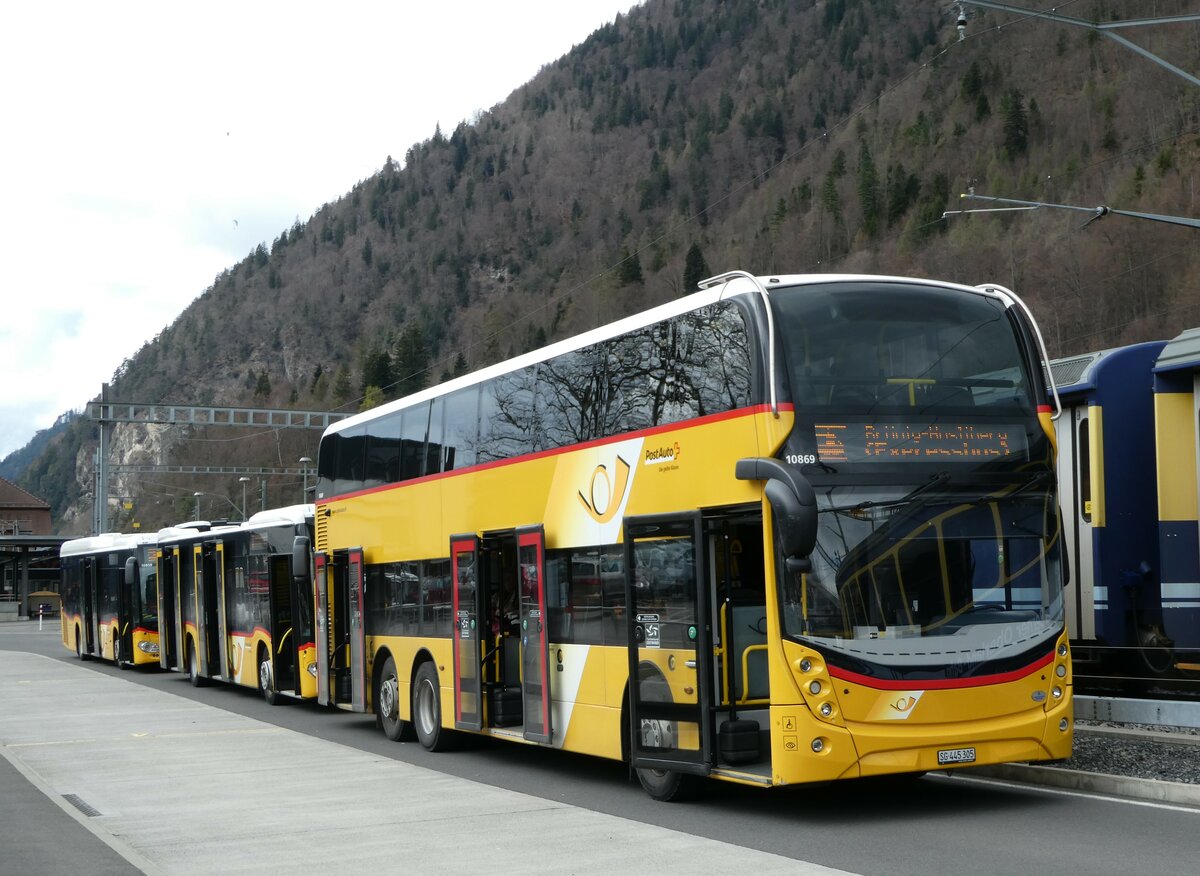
[
  {"x": 110, "y": 598},
  {"x": 236, "y": 602},
  {"x": 785, "y": 529}
]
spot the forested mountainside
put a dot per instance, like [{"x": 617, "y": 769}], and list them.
[{"x": 692, "y": 137}]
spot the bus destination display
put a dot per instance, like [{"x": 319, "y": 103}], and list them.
[{"x": 894, "y": 442}]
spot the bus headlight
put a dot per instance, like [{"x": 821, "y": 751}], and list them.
[
  {"x": 312, "y": 670},
  {"x": 1060, "y": 670},
  {"x": 1062, "y": 649},
  {"x": 148, "y": 648},
  {"x": 1063, "y": 725},
  {"x": 826, "y": 710},
  {"x": 1056, "y": 692},
  {"x": 814, "y": 687}
]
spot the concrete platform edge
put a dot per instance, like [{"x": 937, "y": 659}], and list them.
[{"x": 122, "y": 848}]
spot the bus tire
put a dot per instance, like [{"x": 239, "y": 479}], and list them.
[
  {"x": 427, "y": 710},
  {"x": 266, "y": 678},
  {"x": 668, "y": 786},
  {"x": 118, "y": 657},
  {"x": 79, "y": 645},
  {"x": 387, "y": 705},
  {"x": 193, "y": 666}
]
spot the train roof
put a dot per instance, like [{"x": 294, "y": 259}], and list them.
[
  {"x": 1075, "y": 374},
  {"x": 106, "y": 542},
  {"x": 1182, "y": 351}
]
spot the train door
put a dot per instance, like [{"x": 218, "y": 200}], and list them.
[
  {"x": 670, "y": 644},
  {"x": 1075, "y": 494},
  {"x": 466, "y": 609},
  {"x": 341, "y": 636},
  {"x": 534, "y": 634}
]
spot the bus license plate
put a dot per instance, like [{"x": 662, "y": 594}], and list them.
[{"x": 956, "y": 755}]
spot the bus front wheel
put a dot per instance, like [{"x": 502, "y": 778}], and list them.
[
  {"x": 194, "y": 669},
  {"x": 118, "y": 657},
  {"x": 387, "y": 705},
  {"x": 79, "y": 644},
  {"x": 266, "y": 681},
  {"x": 427, "y": 710},
  {"x": 668, "y": 786}
]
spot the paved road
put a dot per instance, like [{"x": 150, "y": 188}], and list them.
[{"x": 221, "y": 768}]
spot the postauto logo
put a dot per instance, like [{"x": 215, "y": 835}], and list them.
[{"x": 605, "y": 492}]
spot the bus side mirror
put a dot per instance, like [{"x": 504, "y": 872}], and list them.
[
  {"x": 131, "y": 571},
  {"x": 301, "y": 556},
  {"x": 793, "y": 505}
]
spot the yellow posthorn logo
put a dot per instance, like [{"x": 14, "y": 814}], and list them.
[
  {"x": 895, "y": 706},
  {"x": 602, "y": 508}
]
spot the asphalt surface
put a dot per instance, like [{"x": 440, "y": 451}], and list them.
[
  {"x": 124, "y": 777},
  {"x": 110, "y": 772}
]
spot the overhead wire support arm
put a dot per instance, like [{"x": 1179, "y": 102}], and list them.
[
  {"x": 1105, "y": 28},
  {"x": 1096, "y": 212}
]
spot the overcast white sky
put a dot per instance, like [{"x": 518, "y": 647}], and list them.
[{"x": 147, "y": 146}]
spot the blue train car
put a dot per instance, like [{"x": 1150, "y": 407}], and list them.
[
  {"x": 1107, "y": 479},
  {"x": 1176, "y": 412}
]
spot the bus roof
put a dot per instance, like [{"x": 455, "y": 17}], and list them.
[
  {"x": 106, "y": 542},
  {"x": 291, "y": 515},
  {"x": 710, "y": 294}
]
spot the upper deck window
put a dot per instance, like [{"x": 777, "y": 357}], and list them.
[{"x": 870, "y": 348}]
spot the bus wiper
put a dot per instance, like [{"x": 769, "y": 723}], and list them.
[{"x": 936, "y": 481}]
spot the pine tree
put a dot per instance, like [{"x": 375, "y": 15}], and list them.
[{"x": 695, "y": 268}]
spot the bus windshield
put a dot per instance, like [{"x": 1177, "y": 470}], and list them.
[
  {"x": 944, "y": 575},
  {"x": 916, "y": 423}
]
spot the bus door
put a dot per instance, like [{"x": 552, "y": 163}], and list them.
[
  {"x": 322, "y": 570},
  {"x": 342, "y": 630},
  {"x": 534, "y": 631},
  {"x": 126, "y": 606},
  {"x": 284, "y": 639},
  {"x": 468, "y": 652},
  {"x": 670, "y": 643},
  {"x": 221, "y": 628},
  {"x": 168, "y": 615},
  {"x": 91, "y": 578}
]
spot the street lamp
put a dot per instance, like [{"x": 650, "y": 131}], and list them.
[
  {"x": 197, "y": 495},
  {"x": 304, "y": 461},
  {"x": 243, "y": 481}
]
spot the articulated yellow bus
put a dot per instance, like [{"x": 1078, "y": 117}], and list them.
[
  {"x": 237, "y": 605},
  {"x": 785, "y": 529},
  {"x": 109, "y": 598}
]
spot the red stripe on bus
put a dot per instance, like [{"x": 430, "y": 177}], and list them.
[
  {"x": 1045, "y": 409},
  {"x": 735, "y": 414},
  {"x": 940, "y": 683}
]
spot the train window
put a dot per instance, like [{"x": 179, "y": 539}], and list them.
[{"x": 1084, "y": 452}]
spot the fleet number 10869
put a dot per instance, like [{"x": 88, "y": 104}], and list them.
[{"x": 800, "y": 458}]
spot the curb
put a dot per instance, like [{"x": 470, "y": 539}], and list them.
[{"x": 1152, "y": 790}]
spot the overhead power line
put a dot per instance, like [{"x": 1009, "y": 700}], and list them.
[{"x": 1097, "y": 212}]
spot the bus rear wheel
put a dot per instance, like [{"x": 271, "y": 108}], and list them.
[
  {"x": 118, "y": 657},
  {"x": 266, "y": 680},
  {"x": 387, "y": 705},
  {"x": 427, "y": 710},
  {"x": 668, "y": 786},
  {"x": 79, "y": 644}
]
